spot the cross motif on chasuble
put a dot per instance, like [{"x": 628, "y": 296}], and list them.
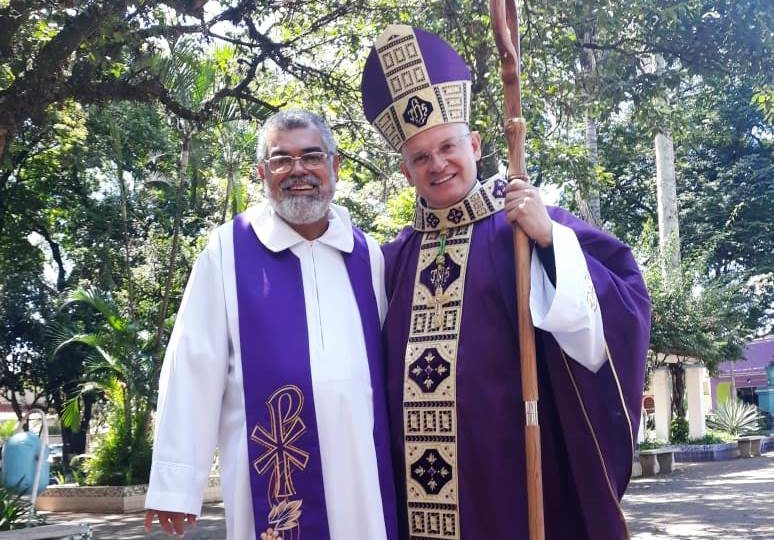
[{"x": 285, "y": 427}]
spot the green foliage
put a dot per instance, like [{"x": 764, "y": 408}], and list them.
[
  {"x": 122, "y": 455},
  {"x": 678, "y": 431},
  {"x": 7, "y": 428},
  {"x": 714, "y": 437},
  {"x": 400, "y": 213},
  {"x": 119, "y": 371},
  {"x": 735, "y": 417},
  {"x": 651, "y": 444},
  {"x": 15, "y": 511}
]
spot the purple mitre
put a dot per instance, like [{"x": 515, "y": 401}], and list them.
[{"x": 413, "y": 81}]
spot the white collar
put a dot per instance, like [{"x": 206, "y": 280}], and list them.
[{"x": 277, "y": 235}]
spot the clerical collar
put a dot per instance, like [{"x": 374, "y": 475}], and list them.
[
  {"x": 277, "y": 235},
  {"x": 483, "y": 200}
]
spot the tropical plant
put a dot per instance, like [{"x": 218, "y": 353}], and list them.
[
  {"x": 15, "y": 511},
  {"x": 118, "y": 369},
  {"x": 678, "y": 431},
  {"x": 735, "y": 417},
  {"x": 7, "y": 428},
  {"x": 713, "y": 437},
  {"x": 123, "y": 454},
  {"x": 650, "y": 444}
]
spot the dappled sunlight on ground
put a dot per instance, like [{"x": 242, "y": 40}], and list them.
[
  {"x": 725, "y": 499},
  {"x": 698, "y": 501}
]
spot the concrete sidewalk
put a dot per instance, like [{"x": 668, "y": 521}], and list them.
[
  {"x": 718, "y": 499},
  {"x": 722, "y": 499}
]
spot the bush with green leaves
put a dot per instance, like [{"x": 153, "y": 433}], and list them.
[
  {"x": 123, "y": 454},
  {"x": 735, "y": 417},
  {"x": 713, "y": 437},
  {"x": 650, "y": 444},
  {"x": 15, "y": 511},
  {"x": 119, "y": 370},
  {"x": 7, "y": 428},
  {"x": 678, "y": 431}
]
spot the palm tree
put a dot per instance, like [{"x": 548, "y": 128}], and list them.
[{"x": 118, "y": 367}]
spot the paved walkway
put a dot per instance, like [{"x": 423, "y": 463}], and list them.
[
  {"x": 721, "y": 499},
  {"x": 698, "y": 501}
]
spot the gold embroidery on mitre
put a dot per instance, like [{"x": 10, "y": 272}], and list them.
[
  {"x": 417, "y": 104},
  {"x": 429, "y": 390}
]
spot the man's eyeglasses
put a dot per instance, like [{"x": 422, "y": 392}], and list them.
[
  {"x": 283, "y": 164},
  {"x": 448, "y": 149}
]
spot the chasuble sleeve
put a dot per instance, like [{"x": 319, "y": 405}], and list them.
[
  {"x": 610, "y": 399},
  {"x": 570, "y": 309},
  {"x": 191, "y": 391}
]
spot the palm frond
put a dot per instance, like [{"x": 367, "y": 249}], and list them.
[
  {"x": 98, "y": 301},
  {"x": 70, "y": 415}
]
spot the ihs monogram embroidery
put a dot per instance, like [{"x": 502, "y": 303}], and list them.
[{"x": 417, "y": 111}]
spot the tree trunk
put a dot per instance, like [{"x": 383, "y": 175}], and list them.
[
  {"x": 666, "y": 193},
  {"x": 74, "y": 442},
  {"x": 125, "y": 231},
  {"x": 4, "y": 136},
  {"x": 677, "y": 372},
  {"x": 488, "y": 166},
  {"x": 587, "y": 196},
  {"x": 227, "y": 202},
  {"x": 185, "y": 152},
  {"x": 587, "y": 193},
  {"x": 4, "y": 177}
]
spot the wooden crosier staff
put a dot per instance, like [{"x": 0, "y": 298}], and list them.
[{"x": 505, "y": 23}]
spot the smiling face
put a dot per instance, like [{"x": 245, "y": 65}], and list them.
[
  {"x": 441, "y": 163},
  {"x": 301, "y": 195}
]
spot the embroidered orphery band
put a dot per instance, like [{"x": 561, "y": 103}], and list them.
[
  {"x": 429, "y": 392},
  {"x": 483, "y": 201},
  {"x": 430, "y": 372}
]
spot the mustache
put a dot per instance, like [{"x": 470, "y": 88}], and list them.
[{"x": 306, "y": 179}]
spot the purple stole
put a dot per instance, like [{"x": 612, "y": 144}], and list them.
[{"x": 284, "y": 451}]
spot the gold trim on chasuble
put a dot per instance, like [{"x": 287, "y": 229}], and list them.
[
  {"x": 430, "y": 375},
  {"x": 590, "y": 427},
  {"x": 280, "y": 459}
]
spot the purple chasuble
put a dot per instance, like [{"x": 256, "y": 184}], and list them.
[
  {"x": 283, "y": 447},
  {"x": 588, "y": 421}
]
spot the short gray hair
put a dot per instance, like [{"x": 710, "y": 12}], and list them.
[{"x": 294, "y": 119}]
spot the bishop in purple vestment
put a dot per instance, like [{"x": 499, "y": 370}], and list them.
[{"x": 453, "y": 369}]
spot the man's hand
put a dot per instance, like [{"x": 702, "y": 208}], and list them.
[
  {"x": 171, "y": 522},
  {"x": 525, "y": 208}
]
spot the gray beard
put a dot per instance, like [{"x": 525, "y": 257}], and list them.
[{"x": 302, "y": 209}]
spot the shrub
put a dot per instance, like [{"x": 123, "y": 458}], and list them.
[
  {"x": 713, "y": 437},
  {"x": 650, "y": 444},
  {"x": 735, "y": 417},
  {"x": 7, "y": 428},
  {"x": 15, "y": 512},
  {"x": 678, "y": 430},
  {"x": 122, "y": 457}
]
